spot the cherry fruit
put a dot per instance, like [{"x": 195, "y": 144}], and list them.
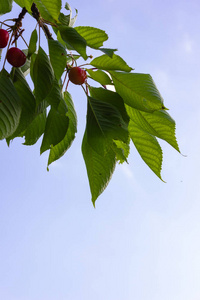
[
  {"x": 77, "y": 75},
  {"x": 16, "y": 57},
  {"x": 4, "y": 37}
]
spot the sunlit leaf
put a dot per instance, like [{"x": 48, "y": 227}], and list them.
[
  {"x": 105, "y": 62},
  {"x": 148, "y": 148},
  {"x": 137, "y": 90},
  {"x": 94, "y": 36},
  {"x": 100, "y": 76}
]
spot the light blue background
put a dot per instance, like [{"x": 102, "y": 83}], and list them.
[{"x": 142, "y": 240}]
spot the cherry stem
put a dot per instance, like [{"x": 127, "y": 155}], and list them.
[
  {"x": 64, "y": 79},
  {"x": 24, "y": 41}
]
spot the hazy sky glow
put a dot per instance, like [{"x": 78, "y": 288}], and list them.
[{"x": 142, "y": 240}]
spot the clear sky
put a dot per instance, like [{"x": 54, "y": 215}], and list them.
[{"x": 142, "y": 240}]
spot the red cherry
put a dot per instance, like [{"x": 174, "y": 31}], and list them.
[
  {"x": 77, "y": 75},
  {"x": 16, "y": 57},
  {"x": 4, "y": 37}
]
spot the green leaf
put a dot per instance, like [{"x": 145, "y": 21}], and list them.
[
  {"x": 58, "y": 57},
  {"x": 121, "y": 150},
  {"x": 99, "y": 168},
  {"x": 59, "y": 150},
  {"x": 32, "y": 43},
  {"x": 35, "y": 129},
  {"x": 94, "y": 36},
  {"x": 108, "y": 51},
  {"x": 158, "y": 123},
  {"x": 5, "y": 6},
  {"x": 27, "y": 102},
  {"x": 55, "y": 129},
  {"x": 112, "y": 98},
  {"x": 55, "y": 98},
  {"x": 63, "y": 19},
  {"x": 106, "y": 63},
  {"x": 138, "y": 90},
  {"x": 49, "y": 10},
  {"x": 104, "y": 123},
  {"x": 100, "y": 77},
  {"x": 42, "y": 75},
  {"x": 74, "y": 39},
  {"x": 24, "y": 3},
  {"x": 148, "y": 148},
  {"x": 10, "y": 106}
]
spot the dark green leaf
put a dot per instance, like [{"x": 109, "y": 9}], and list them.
[
  {"x": 100, "y": 77},
  {"x": 99, "y": 168},
  {"x": 55, "y": 129},
  {"x": 74, "y": 39},
  {"x": 112, "y": 98},
  {"x": 59, "y": 150},
  {"x": 104, "y": 123},
  {"x": 94, "y": 36},
  {"x": 5, "y": 6},
  {"x": 58, "y": 58},
  {"x": 104, "y": 62},
  {"x": 138, "y": 90},
  {"x": 55, "y": 98},
  {"x": 42, "y": 75},
  {"x": 27, "y": 102},
  {"x": 35, "y": 129},
  {"x": 10, "y": 106}
]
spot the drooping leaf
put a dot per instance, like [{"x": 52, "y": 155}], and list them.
[
  {"x": 55, "y": 129},
  {"x": 5, "y": 6},
  {"x": 35, "y": 129},
  {"x": 148, "y": 148},
  {"x": 104, "y": 123},
  {"x": 100, "y": 77},
  {"x": 59, "y": 150},
  {"x": 55, "y": 98},
  {"x": 158, "y": 123},
  {"x": 105, "y": 62},
  {"x": 28, "y": 102},
  {"x": 58, "y": 58},
  {"x": 73, "y": 39},
  {"x": 99, "y": 168},
  {"x": 108, "y": 51},
  {"x": 10, "y": 106},
  {"x": 32, "y": 43},
  {"x": 42, "y": 75},
  {"x": 138, "y": 90},
  {"x": 112, "y": 98},
  {"x": 94, "y": 36},
  {"x": 49, "y": 10}
]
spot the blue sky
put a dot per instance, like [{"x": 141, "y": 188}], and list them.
[{"x": 142, "y": 240}]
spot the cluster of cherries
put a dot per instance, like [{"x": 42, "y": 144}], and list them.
[
  {"x": 17, "y": 59},
  {"x": 14, "y": 56}
]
